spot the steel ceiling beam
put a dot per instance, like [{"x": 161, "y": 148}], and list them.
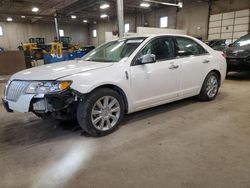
[{"x": 162, "y": 3}]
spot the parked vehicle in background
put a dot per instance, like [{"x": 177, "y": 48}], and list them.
[
  {"x": 87, "y": 49},
  {"x": 219, "y": 44},
  {"x": 117, "y": 78},
  {"x": 238, "y": 55}
]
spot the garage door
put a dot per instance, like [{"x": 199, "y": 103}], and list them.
[{"x": 230, "y": 25}]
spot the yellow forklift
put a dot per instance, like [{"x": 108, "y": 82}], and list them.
[
  {"x": 53, "y": 53},
  {"x": 35, "y": 52},
  {"x": 54, "y": 48},
  {"x": 67, "y": 46}
]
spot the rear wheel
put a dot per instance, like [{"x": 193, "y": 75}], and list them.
[
  {"x": 100, "y": 112},
  {"x": 210, "y": 87}
]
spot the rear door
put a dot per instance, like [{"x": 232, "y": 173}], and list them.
[{"x": 195, "y": 64}]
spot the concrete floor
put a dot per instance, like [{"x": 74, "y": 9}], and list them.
[{"x": 183, "y": 144}]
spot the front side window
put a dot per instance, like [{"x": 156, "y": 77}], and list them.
[
  {"x": 114, "y": 51},
  {"x": 162, "y": 48},
  {"x": 188, "y": 47},
  {"x": 243, "y": 41}
]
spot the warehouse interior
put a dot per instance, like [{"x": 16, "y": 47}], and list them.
[{"x": 185, "y": 143}]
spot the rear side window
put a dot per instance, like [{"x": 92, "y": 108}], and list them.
[
  {"x": 162, "y": 48},
  {"x": 188, "y": 47}
]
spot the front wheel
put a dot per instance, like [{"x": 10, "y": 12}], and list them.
[
  {"x": 210, "y": 87},
  {"x": 100, "y": 112}
]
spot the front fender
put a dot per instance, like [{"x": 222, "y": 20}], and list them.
[
  {"x": 87, "y": 88},
  {"x": 88, "y": 81}
]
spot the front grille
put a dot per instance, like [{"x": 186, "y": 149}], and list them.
[{"x": 16, "y": 89}]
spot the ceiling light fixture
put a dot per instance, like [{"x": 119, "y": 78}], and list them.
[
  {"x": 23, "y": 16},
  {"x": 145, "y": 5},
  {"x": 85, "y": 21},
  {"x": 73, "y": 16},
  {"x": 104, "y": 16},
  {"x": 35, "y": 9},
  {"x": 9, "y": 19},
  {"x": 179, "y": 4},
  {"x": 104, "y": 6}
]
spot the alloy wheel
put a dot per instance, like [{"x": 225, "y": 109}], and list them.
[
  {"x": 212, "y": 86},
  {"x": 105, "y": 113}
]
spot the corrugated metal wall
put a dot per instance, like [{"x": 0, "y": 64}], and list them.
[{"x": 230, "y": 25}]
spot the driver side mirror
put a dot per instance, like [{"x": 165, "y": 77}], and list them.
[{"x": 148, "y": 58}]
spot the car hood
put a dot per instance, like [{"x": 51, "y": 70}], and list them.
[
  {"x": 58, "y": 70},
  {"x": 238, "y": 52}
]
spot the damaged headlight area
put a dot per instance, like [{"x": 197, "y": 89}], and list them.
[
  {"x": 46, "y": 87},
  {"x": 59, "y": 105}
]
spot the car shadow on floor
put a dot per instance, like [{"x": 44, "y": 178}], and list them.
[
  {"x": 137, "y": 116},
  {"x": 239, "y": 76},
  {"x": 165, "y": 108},
  {"x": 35, "y": 131}
]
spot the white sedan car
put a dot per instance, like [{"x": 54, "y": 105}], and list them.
[{"x": 117, "y": 78}]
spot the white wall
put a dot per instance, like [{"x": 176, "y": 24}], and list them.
[
  {"x": 154, "y": 30},
  {"x": 14, "y": 33},
  {"x": 153, "y": 18},
  {"x": 111, "y": 25},
  {"x": 101, "y": 29},
  {"x": 193, "y": 17}
]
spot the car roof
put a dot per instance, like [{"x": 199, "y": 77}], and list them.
[{"x": 154, "y": 35}]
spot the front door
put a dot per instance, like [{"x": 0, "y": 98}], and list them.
[{"x": 158, "y": 82}]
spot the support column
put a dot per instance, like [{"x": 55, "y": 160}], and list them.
[
  {"x": 120, "y": 17},
  {"x": 56, "y": 26}
]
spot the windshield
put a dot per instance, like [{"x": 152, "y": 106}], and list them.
[
  {"x": 114, "y": 51},
  {"x": 243, "y": 41}
]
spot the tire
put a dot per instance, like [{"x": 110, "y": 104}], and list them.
[
  {"x": 210, "y": 87},
  {"x": 94, "y": 114}
]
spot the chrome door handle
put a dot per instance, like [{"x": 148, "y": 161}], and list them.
[
  {"x": 172, "y": 67},
  {"x": 206, "y": 61}
]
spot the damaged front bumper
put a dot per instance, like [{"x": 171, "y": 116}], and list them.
[
  {"x": 42, "y": 103},
  {"x": 53, "y": 102},
  {"x": 21, "y": 105}
]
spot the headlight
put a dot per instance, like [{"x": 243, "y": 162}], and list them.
[{"x": 44, "y": 87}]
